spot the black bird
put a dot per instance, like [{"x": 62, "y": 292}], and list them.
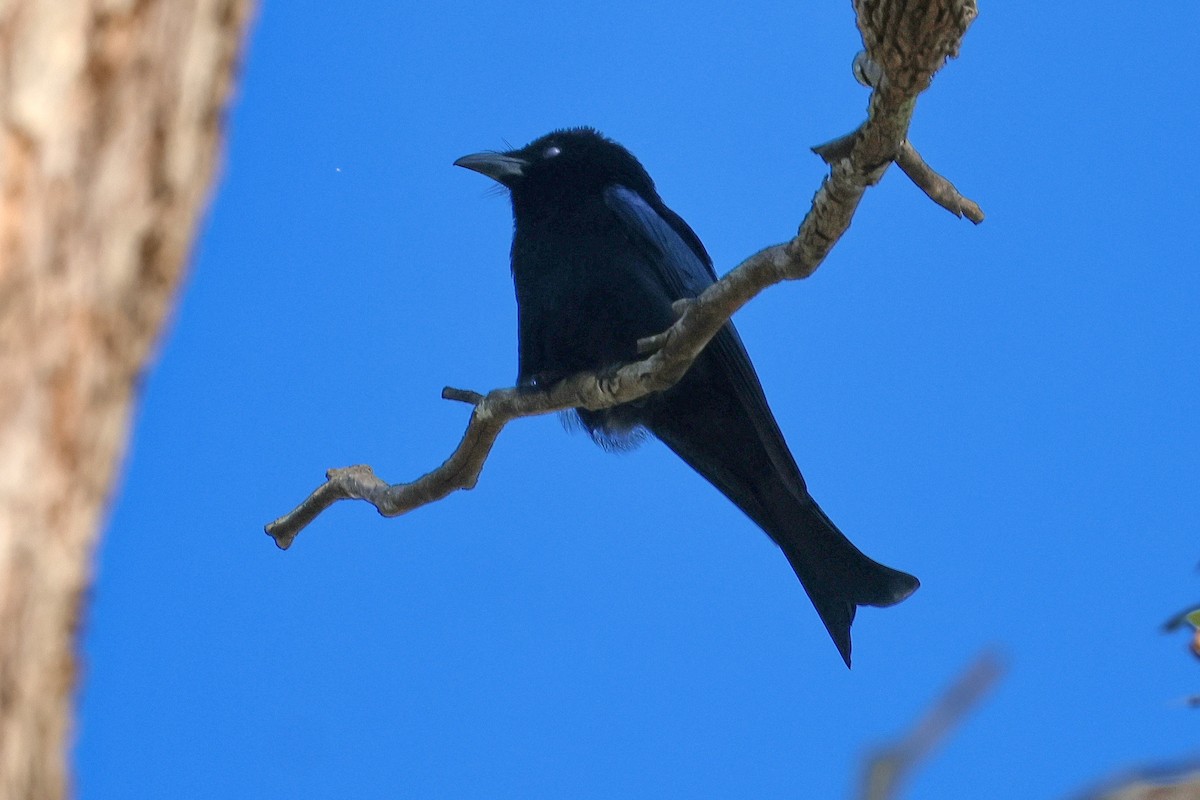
[{"x": 597, "y": 260}]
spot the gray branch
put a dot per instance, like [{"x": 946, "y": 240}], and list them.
[
  {"x": 906, "y": 43},
  {"x": 887, "y": 769}
]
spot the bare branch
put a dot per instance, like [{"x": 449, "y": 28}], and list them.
[
  {"x": 909, "y": 42},
  {"x": 1173, "y": 782},
  {"x": 462, "y": 395},
  {"x": 935, "y": 187},
  {"x": 888, "y": 767},
  {"x": 938, "y": 189}
]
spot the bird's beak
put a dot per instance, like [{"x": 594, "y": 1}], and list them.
[{"x": 497, "y": 166}]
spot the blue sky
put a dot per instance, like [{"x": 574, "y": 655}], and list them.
[{"x": 1008, "y": 412}]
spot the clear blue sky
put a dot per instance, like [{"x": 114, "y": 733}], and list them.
[{"x": 1009, "y": 412}]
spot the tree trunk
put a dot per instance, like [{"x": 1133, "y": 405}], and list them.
[{"x": 110, "y": 125}]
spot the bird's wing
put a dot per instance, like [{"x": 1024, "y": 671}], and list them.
[
  {"x": 685, "y": 274},
  {"x": 687, "y": 268}
]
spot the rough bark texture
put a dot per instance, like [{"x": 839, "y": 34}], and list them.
[{"x": 110, "y": 123}]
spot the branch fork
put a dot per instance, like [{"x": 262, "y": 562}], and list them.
[{"x": 906, "y": 43}]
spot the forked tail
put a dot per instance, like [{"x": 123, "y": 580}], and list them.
[{"x": 836, "y": 575}]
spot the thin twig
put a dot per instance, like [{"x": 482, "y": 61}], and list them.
[
  {"x": 886, "y": 770},
  {"x": 937, "y": 188},
  {"x": 1161, "y": 782},
  {"x": 462, "y": 395},
  {"x": 926, "y": 34}
]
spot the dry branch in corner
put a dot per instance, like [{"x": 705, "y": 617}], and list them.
[
  {"x": 906, "y": 43},
  {"x": 1184, "y": 785},
  {"x": 886, "y": 770}
]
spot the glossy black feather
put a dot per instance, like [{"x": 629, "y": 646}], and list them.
[{"x": 598, "y": 259}]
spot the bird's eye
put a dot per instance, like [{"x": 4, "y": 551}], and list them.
[{"x": 551, "y": 151}]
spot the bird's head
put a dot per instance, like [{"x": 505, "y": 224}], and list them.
[{"x": 567, "y": 164}]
